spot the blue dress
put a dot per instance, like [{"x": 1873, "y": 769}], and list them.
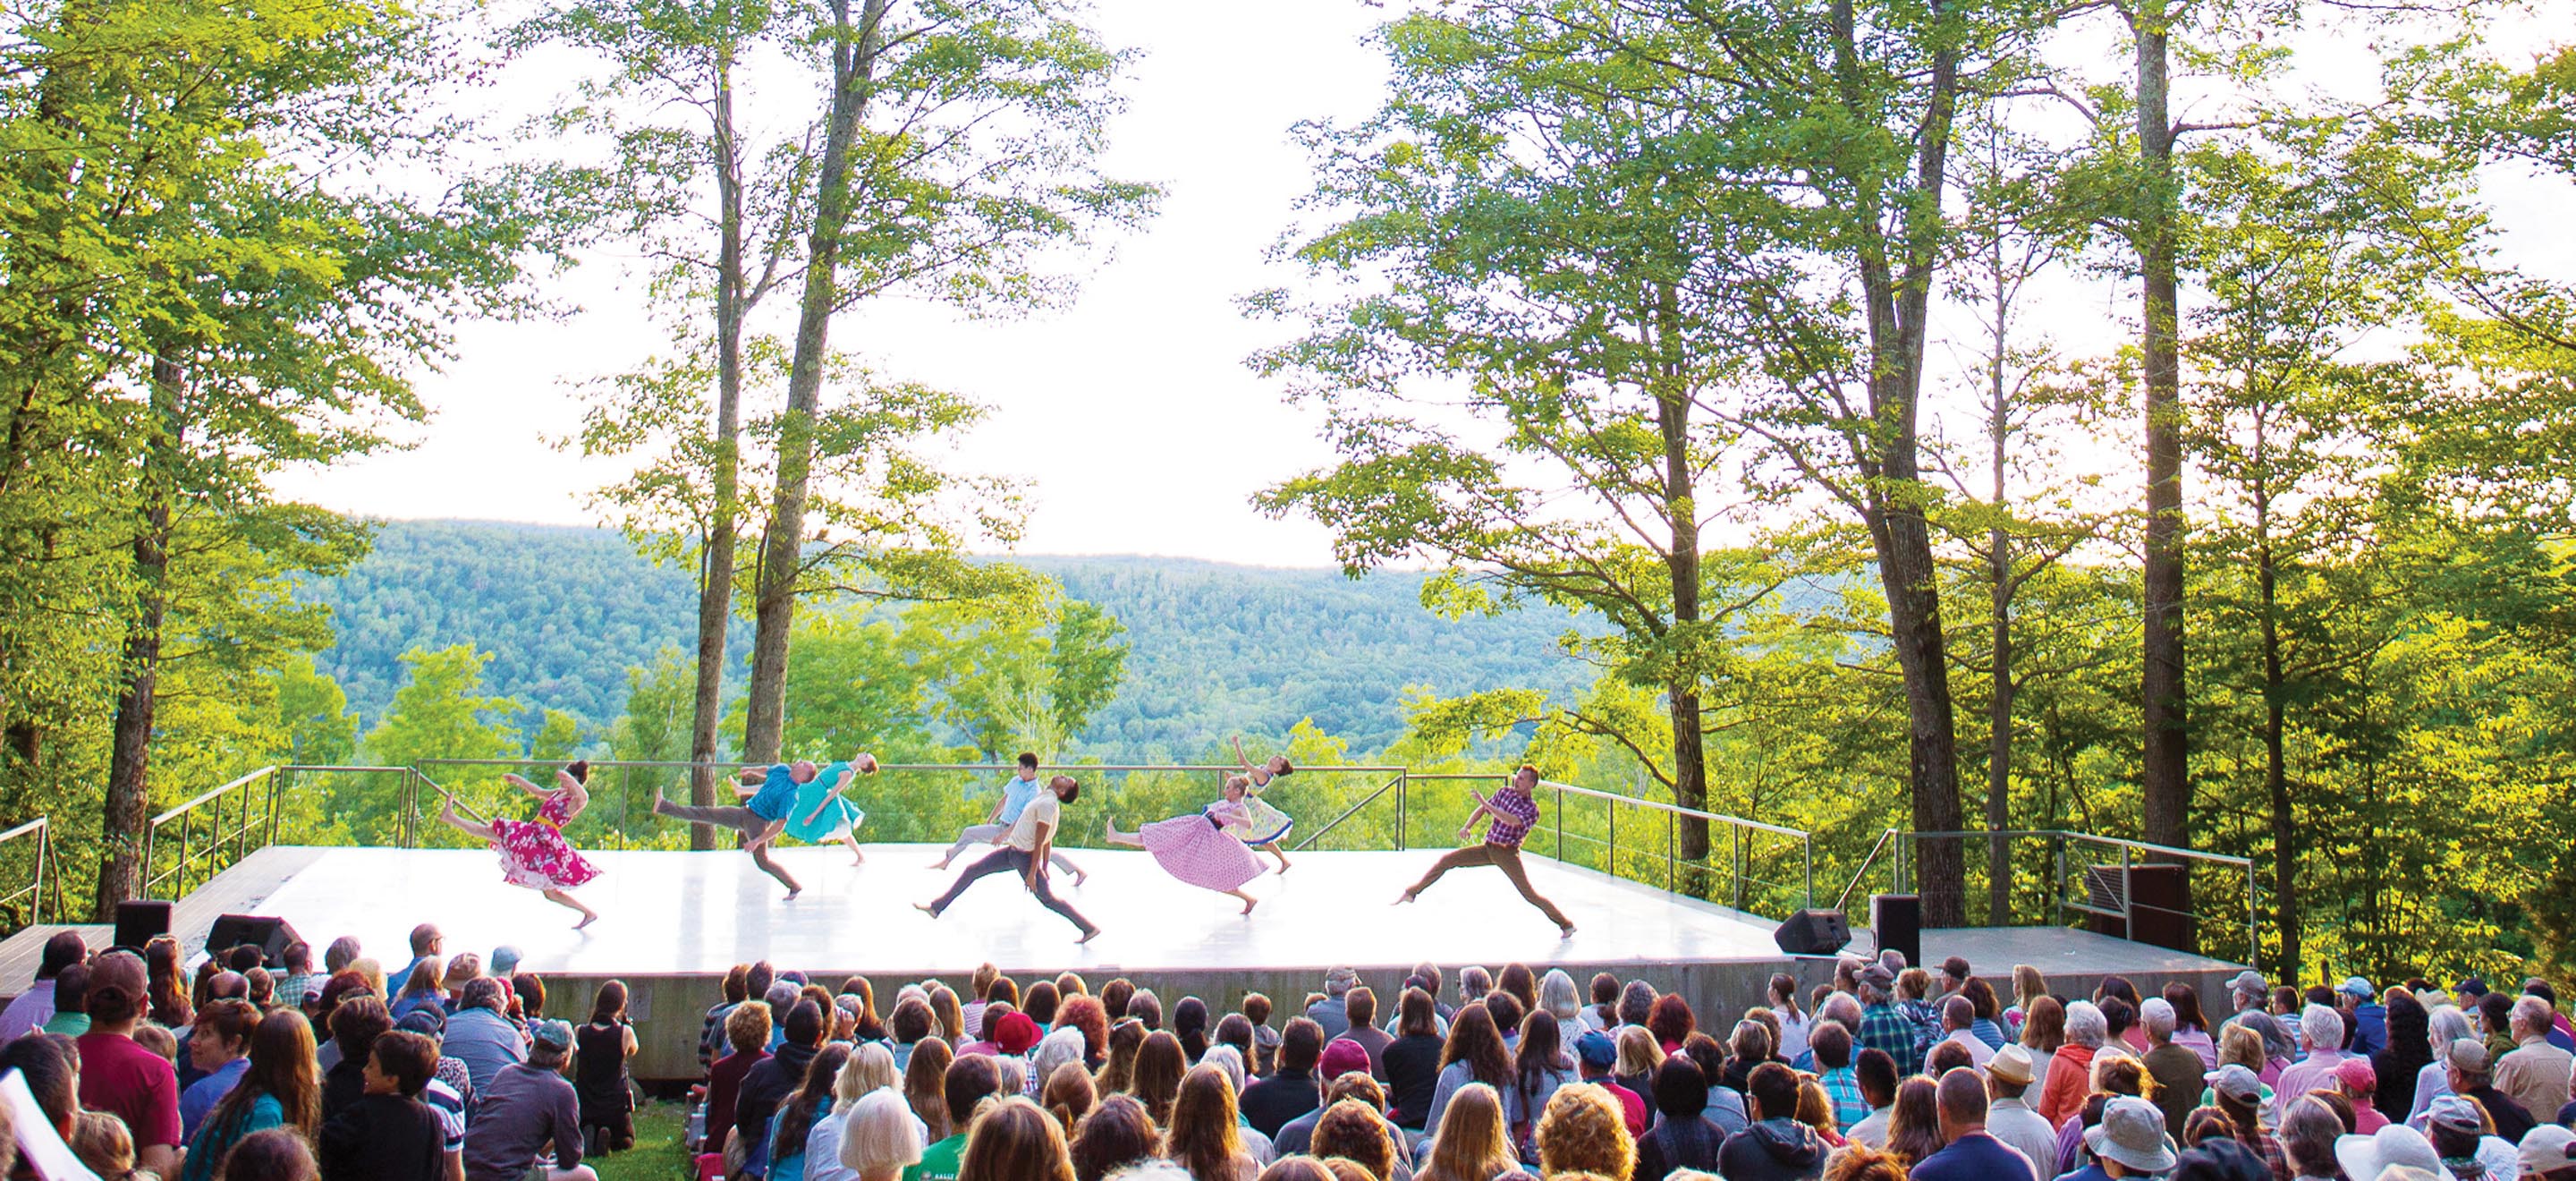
[{"x": 837, "y": 817}]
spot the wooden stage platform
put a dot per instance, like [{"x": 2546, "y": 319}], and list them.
[{"x": 673, "y": 922}]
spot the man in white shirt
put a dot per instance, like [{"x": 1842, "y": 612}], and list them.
[
  {"x": 2009, "y": 1118},
  {"x": 1025, "y": 850},
  {"x": 1957, "y": 1014},
  {"x": 1017, "y": 791}
]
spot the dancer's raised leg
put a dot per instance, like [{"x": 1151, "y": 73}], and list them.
[
  {"x": 475, "y": 829},
  {"x": 1453, "y": 859},
  {"x": 1132, "y": 839},
  {"x": 1274, "y": 850}
]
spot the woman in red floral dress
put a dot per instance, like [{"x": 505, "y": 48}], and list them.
[{"x": 534, "y": 853}]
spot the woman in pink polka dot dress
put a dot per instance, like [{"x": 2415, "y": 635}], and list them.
[
  {"x": 534, "y": 853},
  {"x": 1205, "y": 848}
]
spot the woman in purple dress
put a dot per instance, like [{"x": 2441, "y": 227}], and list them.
[
  {"x": 1206, "y": 848},
  {"x": 534, "y": 853}
]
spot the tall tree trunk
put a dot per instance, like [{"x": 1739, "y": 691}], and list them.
[
  {"x": 716, "y": 572},
  {"x": 2164, "y": 785},
  {"x": 1897, "y": 291},
  {"x": 782, "y": 546},
  {"x": 2276, "y": 778},
  {"x": 1682, "y": 561},
  {"x": 129, "y": 790},
  {"x": 1999, "y": 704}
]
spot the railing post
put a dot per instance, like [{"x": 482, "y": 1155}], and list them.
[
  {"x": 1560, "y": 823},
  {"x": 1610, "y": 849},
  {"x": 1403, "y": 779},
  {"x": 2128, "y": 899},
  {"x": 1807, "y": 844},
  {"x": 44, "y": 853},
  {"x": 2253, "y": 916},
  {"x": 1672, "y": 872},
  {"x": 1735, "y": 861},
  {"x": 2057, "y": 880}
]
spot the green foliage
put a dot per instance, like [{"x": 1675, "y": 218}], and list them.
[{"x": 440, "y": 712}]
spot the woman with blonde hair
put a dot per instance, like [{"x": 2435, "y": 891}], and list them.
[
  {"x": 1583, "y": 1131},
  {"x": 880, "y": 1137},
  {"x": 1639, "y": 1055},
  {"x": 869, "y": 1069},
  {"x": 1472, "y": 1143},
  {"x": 1354, "y": 1131},
  {"x": 1203, "y": 1135},
  {"x": 2029, "y": 984},
  {"x": 951, "y": 1014},
  {"x": 1816, "y": 1110},
  {"x": 1557, "y": 998},
  {"x": 1012, "y": 1140}
]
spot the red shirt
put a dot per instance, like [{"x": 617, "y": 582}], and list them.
[
  {"x": 724, "y": 1085},
  {"x": 133, "y": 1084},
  {"x": 1631, "y": 1107}
]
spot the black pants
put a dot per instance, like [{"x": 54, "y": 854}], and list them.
[{"x": 1009, "y": 860}]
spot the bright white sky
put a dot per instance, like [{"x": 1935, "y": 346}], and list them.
[{"x": 1131, "y": 413}]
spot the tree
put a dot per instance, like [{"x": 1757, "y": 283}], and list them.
[
  {"x": 440, "y": 712},
  {"x": 960, "y": 144},
  {"x": 322, "y": 731}
]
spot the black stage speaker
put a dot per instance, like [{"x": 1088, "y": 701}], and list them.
[
  {"x": 268, "y": 933},
  {"x": 1813, "y": 932},
  {"x": 1897, "y": 920},
  {"x": 137, "y": 922},
  {"x": 2160, "y": 897}
]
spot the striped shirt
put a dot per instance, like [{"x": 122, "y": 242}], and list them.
[{"x": 1514, "y": 813}]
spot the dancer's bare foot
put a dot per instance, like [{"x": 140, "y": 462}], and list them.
[
  {"x": 1403, "y": 898},
  {"x": 1249, "y": 903},
  {"x": 926, "y": 908},
  {"x": 1087, "y": 936},
  {"x": 942, "y": 863},
  {"x": 1081, "y": 876},
  {"x": 1566, "y": 931},
  {"x": 791, "y": 894},
  {"x": 587, "y": 918}
]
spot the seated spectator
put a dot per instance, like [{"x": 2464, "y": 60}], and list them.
[
  {"x": 1683, "y": 1137},
  {"x": 102, "y": 1143},
  {"x": 808, "y": 1107},
  {"x": 1203, "y": 1135},
  {"x": 969, "y": 1081},
  {"x": 2545, "y": 1154},
  {"x": 31, "y": 1009},
  {"x": 277, "y": 1154},
  {"x": 880, "y": 1138},
  {"x": 1360, "y": 1006},
  {"x": 1914, "y": 1123},
  {"x": 747, "y": 1031},
  {"x": 1817, "y": 1112},
  {"x": 1775, "y": 1147},
  {"x": 122, "y": 1078},
  {"x": 1412, "y": 1060},
  {"x": 1114, "y": 1135},
  {"x": 1830, "y": 1043},
  {"x": 2130, "y": 1141},
  {"x": 2309, "y": 1131},
  {"x": 2458, "y": 1132},
  {"x": 481, "y": 1035},
  {"x": 1344, "y": 1069},
  {"x": 1291, "y": 1091},
  {"x": 386, "y": 1134},
  {"x": 2470, "y": 1079},
  {"x": 71, "y": 1003},
  {"x": 1968, "y": 1151},
  {"x": 426, "y": 986},
  {"x": 1595, "y": 1054},
  {"x": 528, "y": 1107},
  {"x": 1539, "y": 1067},
  {"x": 1877, "y": 1075},
  {"x": 2176, "y": 1069},
  {"x": 2535, "y": 1074},
  {"x": 1581, "y": 1131},
  {"x": 219, "y": 1044},
  {"x": 450, "y": 1090},
  {"x": 769, "y": 1083},
  {"x": 1471, "y": 1142},
  {"x": 1014, "y": 1141},
  {"x": 279, "y": 1088}
]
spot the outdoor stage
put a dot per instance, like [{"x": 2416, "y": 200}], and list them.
[{"x": 673, "y": 922}]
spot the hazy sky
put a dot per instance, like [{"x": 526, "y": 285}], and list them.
[{"x": 1132, "y": 412}]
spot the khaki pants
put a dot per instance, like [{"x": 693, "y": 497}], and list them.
[{"x": 1500, "y": 857}]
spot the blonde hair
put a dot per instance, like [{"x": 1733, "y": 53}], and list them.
[
  {"x": 881, "y": 1132},
  {"x": 1472, "y": 1142},
  {"x": 1583, "y": 1129},
  {"x": 1638, "y": 1051},
  {"x": 870, "y": 1068}
]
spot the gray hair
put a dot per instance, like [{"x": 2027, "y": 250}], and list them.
[
  {"x": 1840, "y": 1007},
  {"x": 2085, "y": 1024},
  {"x": 881, "y": 1133},
  {"x": 1474, "y": 981},
  {"x": 1151, "y": 1170},
  {"x": 1062, "y": 1046},
  {"x": 782, "y": 995},
  {"x": 2449, "y": 1025},
  {"x": 1227, "y": 1059},
  {"x": 2534, "y": 1014},
  {"x": 2158, "y": 1016},
  {"x": 2321, "y": 1028},
  {"x": 1557, "y": 995}
]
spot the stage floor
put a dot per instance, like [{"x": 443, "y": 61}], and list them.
[{"x": 674, "y": 913}]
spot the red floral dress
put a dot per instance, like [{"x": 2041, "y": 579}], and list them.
[{"x": 535, "y": 854}]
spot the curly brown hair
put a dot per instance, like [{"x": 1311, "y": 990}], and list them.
[{"x": 1584, "y": 1130}]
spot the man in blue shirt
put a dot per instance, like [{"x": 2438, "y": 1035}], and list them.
[
  {"x": 1017, "y": 791},
  {"x": 2364, "y": 1016},
  {"x": 769, "y": 795},
  {"x": 1971, "y": 1154}
]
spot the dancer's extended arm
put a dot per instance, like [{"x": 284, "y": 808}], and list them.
[
  {"x": 829, "y": 795},
  {"x": 524, "y": 785},
  {"x": 1482, "y": 810}
]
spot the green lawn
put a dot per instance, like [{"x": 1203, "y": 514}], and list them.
[{"x": 656, "y": 1155}]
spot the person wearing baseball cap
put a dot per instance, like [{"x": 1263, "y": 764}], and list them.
[
  {"x": 2239, "y": 1094},
  {"x": 2363, "y": 1015},
  {"x": 1595, "y": 1054},
  {"x": 2458, "y": 1131},
  {"x": 2472, "y": 1076},
  {"x": 2544, "y": 1155},
  {"x": 2131, "y": 1142},
  {"x": 527, "y": 1107},
  {"x": 2359, "y": 1082}
]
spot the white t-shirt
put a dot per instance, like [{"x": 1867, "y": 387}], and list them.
[{"x": 1041, "y": 812}]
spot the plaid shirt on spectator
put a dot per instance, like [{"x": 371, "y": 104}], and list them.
[
  {"x": 2268, "y": 1146},
  {"x": 1886, "y": 1029},
  {"x": 1842, "y": 1086},
  {"x": 295, "y": 989},
  {"x": 1927, "y": 1027}
]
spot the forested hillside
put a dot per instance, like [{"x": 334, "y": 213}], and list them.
[{"x": 1212, "y": 648}]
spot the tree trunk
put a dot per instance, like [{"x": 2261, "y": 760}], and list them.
[
  {"x": 782, "y": 546},
  {"x": 1682, "y": 561},
  {"x": 716, "y": 570},
  {"x": 129, "y": 790},
  {"x": 1999, "y": 615},
  {"x": 2164, "y": 786},
  {"x": 2276, "y": 778}
]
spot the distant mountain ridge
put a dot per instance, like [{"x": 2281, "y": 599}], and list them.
[{"x": 1213, "y": 647}]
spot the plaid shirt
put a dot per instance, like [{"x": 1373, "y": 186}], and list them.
[
  {"x": 1887, "y": 1030},
  {"x": 1842, "y": 1086},
  {"x": 2268, "y": 1146}
]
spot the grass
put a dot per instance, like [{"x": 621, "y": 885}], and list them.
[{"x": 656, "y": 1155}]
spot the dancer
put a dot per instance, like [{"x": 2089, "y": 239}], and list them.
[
  {"x": 821, "y": 813},
  {"x": 1202, "y": 848},
  {"x": 769, "y": 794},
  {"x": 1268, "y": 824},
  {"x": 1514, "y": 811},
  {"x": 534, "y": 853},
  {"x": 1024, "y": 850},
  {"x": 1017, "y": 791}
]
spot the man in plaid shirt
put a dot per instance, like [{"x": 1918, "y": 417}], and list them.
[
  {"x": 1833, "y": 1046},
  {"x": 1884, "y": 1027}
]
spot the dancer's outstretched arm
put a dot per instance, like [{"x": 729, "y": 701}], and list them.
[
  {"x": 524, "y": 785},
  {"x": 828, "y": 796}
]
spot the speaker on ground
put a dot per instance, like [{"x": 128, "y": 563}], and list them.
[
  {"x": 1813, "y": 932},
  {"x": 268, "y": 933},
  {"x": 139, "y": 920},
  {"x": 1897, "y": 920}
]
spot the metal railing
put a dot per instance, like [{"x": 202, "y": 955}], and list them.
[
  {"x": 209, "y": 832},
  {"x": 37, "y": 870},
  {"x": 2062, "y": 888}
]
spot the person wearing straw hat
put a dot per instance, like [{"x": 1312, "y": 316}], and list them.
[
  {"x": 2008, "y": 1115},
  {"x": 534, "y": 853},
  {"x": 2365, "y": 1158},
  {"x": 2131, "y": 1142}
]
